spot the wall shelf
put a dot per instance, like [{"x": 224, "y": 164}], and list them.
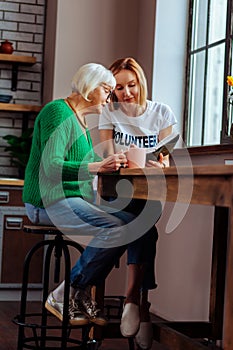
[
  {"x": 16, "y": 60},
  {"x": 25, "y": 109},
  {"x": 24, "y": 60},
  {"x": 11, "y": 107}
]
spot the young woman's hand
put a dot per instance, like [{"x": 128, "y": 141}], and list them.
[{"x": 163, "y": 162}]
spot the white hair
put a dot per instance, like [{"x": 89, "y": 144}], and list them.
[{"x": 89, "y": 77}]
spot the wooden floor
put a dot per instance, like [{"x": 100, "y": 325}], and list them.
[{"x": 9, "y": 330}]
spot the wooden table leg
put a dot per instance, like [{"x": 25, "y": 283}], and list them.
[
  {"x": 228, "y": 309},
  {"x": 217, "y": 290}
]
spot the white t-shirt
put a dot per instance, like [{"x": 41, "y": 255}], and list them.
[{"x": 142, "y": 130}]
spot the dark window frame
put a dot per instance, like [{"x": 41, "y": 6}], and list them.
[{"x": 224, "y": 137}]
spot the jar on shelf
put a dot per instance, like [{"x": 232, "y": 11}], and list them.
[{"x": 6, "y": 47}]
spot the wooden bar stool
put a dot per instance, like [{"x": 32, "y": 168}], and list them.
[{"x": 39, "y": 337}]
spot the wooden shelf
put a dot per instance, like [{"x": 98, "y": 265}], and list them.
[
  {"x": 16, "y": 61},
  {"x": 11, "y": 182},
  {"x": 28, "y": 60},
  {"x": 10, "y": 107}
]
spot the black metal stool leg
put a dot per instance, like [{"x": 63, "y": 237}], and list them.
[
  {"x": 58, "y": 254},
  {"x": 92, "y": 345},
  {"x": 26, "y": 267},
  {"x": 48, "y": 256},
  {"x": 65, "y": 321},
  {"x": 131, "y": 343}
]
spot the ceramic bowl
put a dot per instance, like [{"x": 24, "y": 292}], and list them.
[{"x": 5, "y": 98}]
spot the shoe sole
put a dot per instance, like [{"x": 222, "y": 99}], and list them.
[
  {"x": 53, "y": 311},
  {"x": 98, "y": 321},
  {"x": 56, "y": 313},
  {"x": 83, "y": 322}
]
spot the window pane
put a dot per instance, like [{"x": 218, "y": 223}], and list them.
[
  {"x": 214, "y": 95},
  {"x": 199, "y": 24},
  {"x": 217, "y": 26},
  {"x": 230, "y": 118},
  {"x": 196, "y": 99},
  {"x": 230, "y": 102},
  {"x": 209, "y": 116}
]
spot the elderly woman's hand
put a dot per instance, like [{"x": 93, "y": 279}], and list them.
[{"x": 111, "y": 163}]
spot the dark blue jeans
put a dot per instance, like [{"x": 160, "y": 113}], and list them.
[{"x": 111, "y": 232}]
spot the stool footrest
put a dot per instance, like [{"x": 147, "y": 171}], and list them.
[{"x": 36, "y": 339}]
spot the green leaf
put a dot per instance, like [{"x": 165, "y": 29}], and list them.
[{"x": 19, "y": 147}]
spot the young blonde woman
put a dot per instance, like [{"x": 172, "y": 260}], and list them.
[{"x": 132, "y": 119}]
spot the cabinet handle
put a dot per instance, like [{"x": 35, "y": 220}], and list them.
[
  {"x": 4, "y": 197},
  {"x": 14, "y": 223}
]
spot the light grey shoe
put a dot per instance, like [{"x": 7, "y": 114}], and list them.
[
  {"x": 76, "y": 317},
  {"x": 144, "y": 337},
  {"x": 89, "y": 307},
  {"x": 130, "y": 320}
]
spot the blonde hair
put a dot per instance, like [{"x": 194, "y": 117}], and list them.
[
  {"x": 131, "y": 64},
  {"x": 89, "y": 77}
]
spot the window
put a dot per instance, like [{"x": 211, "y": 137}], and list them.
[{"x": 207, "y": 118}]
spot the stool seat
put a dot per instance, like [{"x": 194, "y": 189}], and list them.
[{"x": 51, "y": 230}]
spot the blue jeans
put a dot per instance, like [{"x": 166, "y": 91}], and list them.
[
  {"x": 146, "y": 245},
  {"x": 111, "y": 233}
]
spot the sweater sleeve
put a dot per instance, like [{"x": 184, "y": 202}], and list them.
[{"x": 66, "y": 150}]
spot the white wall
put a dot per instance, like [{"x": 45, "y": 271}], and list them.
[
  {"x": 169, "y": 50},
  {"x": 92, "y": 31},
  {"x": 184, "y": 265},
  {"x": 145, "y": 49}
]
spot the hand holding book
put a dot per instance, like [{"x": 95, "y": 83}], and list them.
[{"x": 165, "y": 147}]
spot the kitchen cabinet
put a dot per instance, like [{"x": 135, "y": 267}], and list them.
[{"x": 14, "y": 243}]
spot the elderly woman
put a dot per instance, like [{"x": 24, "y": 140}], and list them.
[{"x": 58, "y": 190}]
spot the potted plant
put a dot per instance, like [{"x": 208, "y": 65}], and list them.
[{"x": 19, "y": 149}]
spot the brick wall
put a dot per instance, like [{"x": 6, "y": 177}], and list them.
[{"x": 22, "y": 23}]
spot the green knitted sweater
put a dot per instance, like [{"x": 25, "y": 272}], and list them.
[{"x": 60, "y": 153}]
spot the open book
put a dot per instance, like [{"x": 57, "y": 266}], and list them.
[{"x": 165, "y": 147}]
